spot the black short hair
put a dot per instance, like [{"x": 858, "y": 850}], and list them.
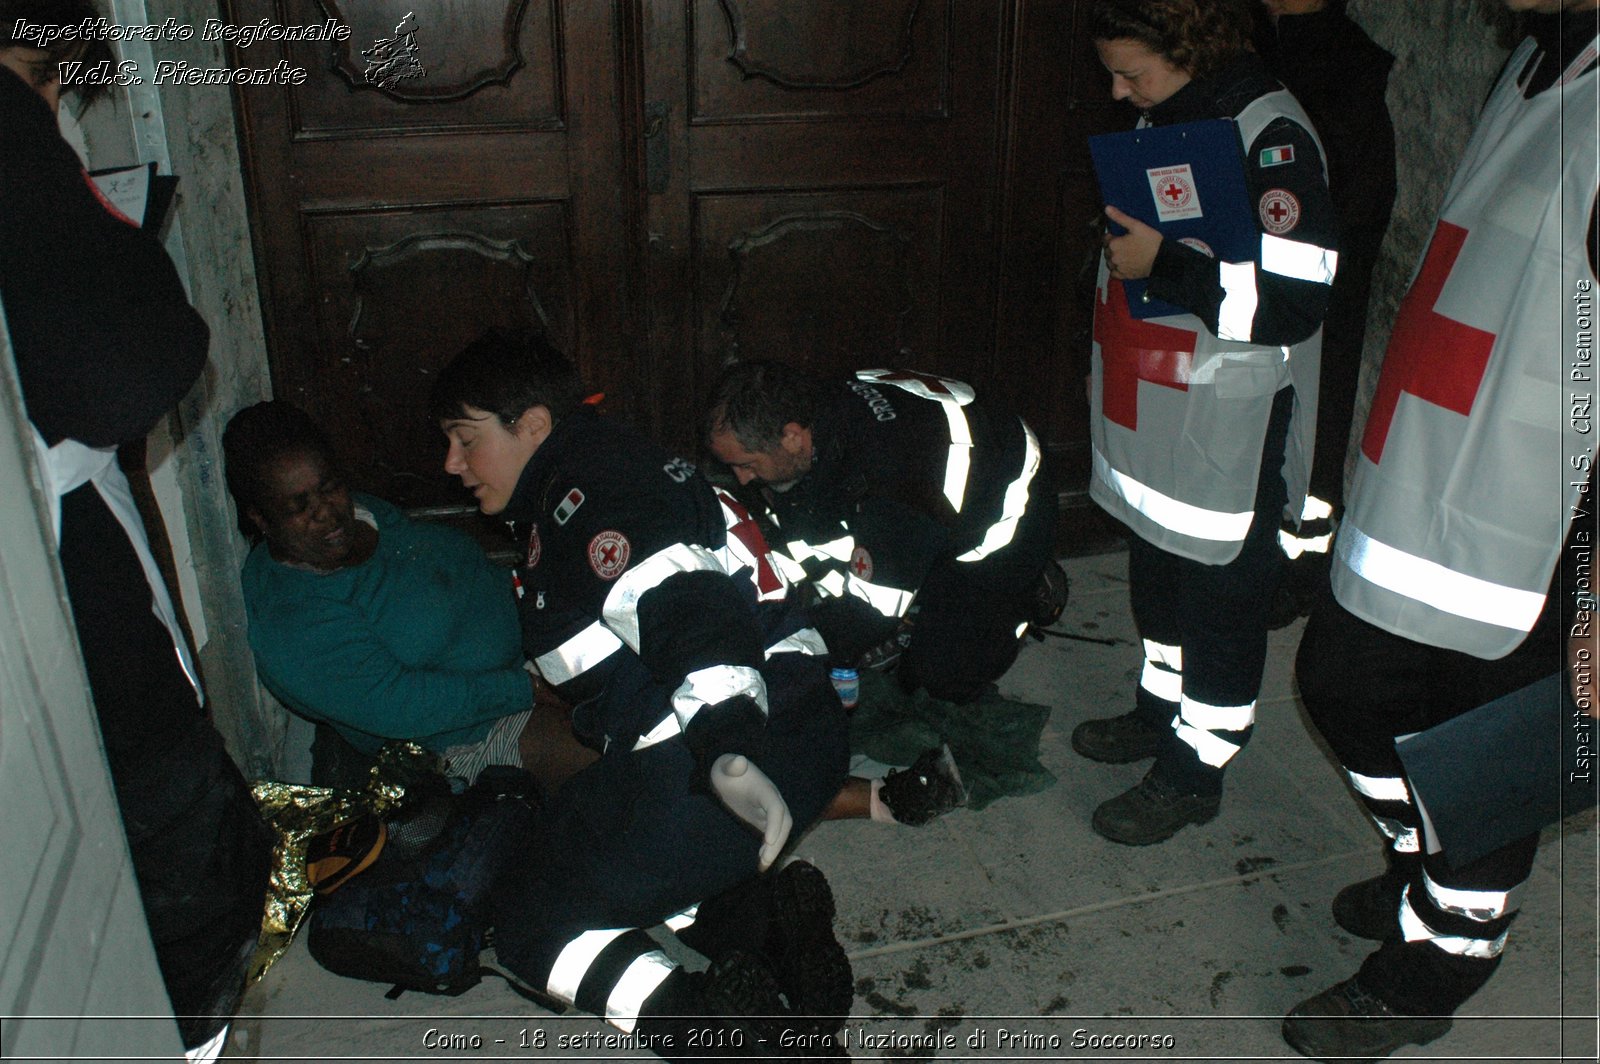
[
  {"x": 755, "y": 400},
  {"x": 506, "y": 375},
  {"x": 255, "y": 438},
  {"x": 1198, "y": 37}
]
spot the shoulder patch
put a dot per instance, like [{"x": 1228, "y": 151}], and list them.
[
  {"x": 1279, "y": 156},
  {"x": 535, "y": 548},
  {"x": 568, "y": 506},
  {"x": 861, "y": 563},
  {"x": 608, "y": 554},
  {"x": 1279, "y": 210}
]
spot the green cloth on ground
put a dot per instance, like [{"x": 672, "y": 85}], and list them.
[{"x": 995, "y": 740}]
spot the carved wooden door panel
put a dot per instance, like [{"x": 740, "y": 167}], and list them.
[
  {"x": 821, "y": 187},
  {"x": 475, "y": 180}
]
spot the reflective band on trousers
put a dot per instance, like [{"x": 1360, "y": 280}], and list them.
[
  {"x": 578, "y": 655},
  {"x": 1293, "y": 546},
  {"x": 1434, "y": 585},
  {"x": 621, "y": 610},
  {"x": 1182, "y": 517},
  {"x": 1315, "y": 509},
  {"x": 640, "y": 980},
  {"x": 1405, "y": 839},
  {"x": 1236, "y": 317},
  {"x": 1380, "y": 788},
  {"x": 1414, "y": 930},
  {"x": 1163, "y": 671},
  {"x": 1016, "y": 503},
  {"x": 1297, "y": 259},
  {"x": 1479, "y": 905},
  {"x": 573, "y": 962},
  {"x": 1217, "y": 718},
  {"x": 1165, "y": 685},
  {"x": 1209, "y": 748}
]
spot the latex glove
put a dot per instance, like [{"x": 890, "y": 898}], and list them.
[{"x": 753, "y": 798}]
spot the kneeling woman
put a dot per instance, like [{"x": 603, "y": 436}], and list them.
[{"x": 378, "y": 626}]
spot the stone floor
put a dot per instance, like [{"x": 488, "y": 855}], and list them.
[{"x": 1017, "y": 933}]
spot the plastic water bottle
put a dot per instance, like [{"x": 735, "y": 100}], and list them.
[{"x": 848, "y": 683}]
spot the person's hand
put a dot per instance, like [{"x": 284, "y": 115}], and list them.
[
  {"x": 753, "y": 798},
  {"x": 1130, "y": 256}
]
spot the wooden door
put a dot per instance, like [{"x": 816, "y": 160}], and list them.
[
  {"x": 668, "y": 185},
  {"x": 397, "y": 219},
  {"x": 821, "y": 186}
]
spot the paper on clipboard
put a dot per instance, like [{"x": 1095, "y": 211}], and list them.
[
  {"x": 137, "y": 191},
  {"x": 1186, "y": 180}
]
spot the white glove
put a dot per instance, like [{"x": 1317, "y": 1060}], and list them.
[{"x": 753, "y": 798}]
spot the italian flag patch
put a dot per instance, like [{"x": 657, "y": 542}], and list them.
[{"x": 1277, "y": 156}]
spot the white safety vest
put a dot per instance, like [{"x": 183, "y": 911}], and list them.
[
  {"x": 1177, "y": 438},
  {"x": 1474, "y": 451}
]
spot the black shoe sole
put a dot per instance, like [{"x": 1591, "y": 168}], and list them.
[
  {"x": 1343, "y": 1054},
  {"x": 1107, "y": 832},
  {"x": 811, "y": 964},
  {"x": 1114, "y": 756},
  {"x": 1360, "y": 918}
]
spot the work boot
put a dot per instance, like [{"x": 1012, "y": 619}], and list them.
[
  {"x": 930, "y": 788},
  {"x": 1049, "y": 597},
  {"x": 1151, "y": 812},
  {"x": 1118, "y": 740},
  {"x": 1371, "y": 908},
  {"x": 787, "y": 916},
  {"x": 730, "y": 1010},
  {"x": 1347, "y": 1022},
  {"x": 812, "y": 968}
]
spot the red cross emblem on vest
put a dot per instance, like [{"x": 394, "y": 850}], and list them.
[
  {"x": 1132, "y": 351},
  {"x": 1430, "y": 356}
]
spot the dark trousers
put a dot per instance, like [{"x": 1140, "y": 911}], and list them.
[
  {"x": 1216, "y": 615},
  {"x": 964, "y": 633},
  {"x": 634, "y": 838},
  {"x": 1362, "y": 686},
  {"x": 200, "y": 850}
]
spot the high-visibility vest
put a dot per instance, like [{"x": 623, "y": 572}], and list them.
[
  {"x": 1480, "y": 435},
  {"x": 1180, "y": 467}
]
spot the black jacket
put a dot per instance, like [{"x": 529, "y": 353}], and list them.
[
  {"x": 1289, "y": 310},
  {"x": 623, "y": 595}
]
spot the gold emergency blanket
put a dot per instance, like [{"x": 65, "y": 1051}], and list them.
[{"x": 297, "y": 813}]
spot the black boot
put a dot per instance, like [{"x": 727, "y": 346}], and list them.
[
  {"x": 1349, "y": 1022},
  {"x": 1371, "y": 908},
  {"x": 1133, "y": 736},
  {"x": 787, "y": 917},
  {"x": 731, "y": 1010}
]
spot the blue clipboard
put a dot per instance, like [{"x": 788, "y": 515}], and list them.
[{"x": 1186, "y": 180}]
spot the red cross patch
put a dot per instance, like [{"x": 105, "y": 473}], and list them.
[
  {"x": 1435, "y": 358},
  {"x": 608, "y": 554},
  {"x": 1132, "y": 351},
  {"x": 861, "y": 563},
  {"x": 535, "y": 548},
  {"x": 1279, "y": 210}
]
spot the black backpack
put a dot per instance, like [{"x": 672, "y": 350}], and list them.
[{"x": 419, "y": 916}]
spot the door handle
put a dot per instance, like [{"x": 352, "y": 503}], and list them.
[{"x": 657, "y": 149}]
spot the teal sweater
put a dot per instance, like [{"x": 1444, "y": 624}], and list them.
[{"x": 420, "y": 642}]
